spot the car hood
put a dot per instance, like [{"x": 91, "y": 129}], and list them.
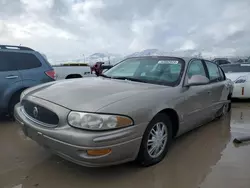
[
  {"x": 235, "y": 76},
  {"x": 90, "y": 94}
]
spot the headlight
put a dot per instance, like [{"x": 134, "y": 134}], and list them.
[
  {"x": 240, "y": 80},
  {"x": 93, "y": 121}
]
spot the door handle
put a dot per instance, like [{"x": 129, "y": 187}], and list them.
[
  {"x": 209, "y": 92},
  {"x": 11, "y": 77}
]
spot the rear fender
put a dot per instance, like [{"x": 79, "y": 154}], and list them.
[{"x": 9, "y": 93}]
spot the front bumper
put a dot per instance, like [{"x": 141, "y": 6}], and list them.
[{"x": 72, "y": 144}]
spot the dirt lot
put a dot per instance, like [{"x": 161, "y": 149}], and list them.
[{"x": 202, "y": 158}]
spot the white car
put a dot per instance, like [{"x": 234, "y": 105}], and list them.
[{"x": 240, "y": 75}]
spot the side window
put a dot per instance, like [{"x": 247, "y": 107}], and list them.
[
  {"x": 6, "y": 63},
  {"x": 24, "y": 61},
  {"x": 196, "y": 68},
  {"x": 213, "y": 71}
]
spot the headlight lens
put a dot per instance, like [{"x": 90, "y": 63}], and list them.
[
  {"x": 240, "y": 80},
  {"x": 93, "y": 121}
]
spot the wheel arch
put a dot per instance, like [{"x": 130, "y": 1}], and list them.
[
  {"x": 20, "y": 90},
  {"x": 174, "y": 117}
]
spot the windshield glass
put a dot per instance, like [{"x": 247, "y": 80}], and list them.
[
  {"x": 156, "y": 70},
  {"x": 236, "y": 68}
]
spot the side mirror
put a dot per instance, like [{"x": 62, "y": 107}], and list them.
[{"x": 197, "y": 80}]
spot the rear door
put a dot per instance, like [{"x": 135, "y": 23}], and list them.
[
  {"x": 217, "y": 86},
  {"x": 30, "y": 67},
  {"x": 10, "y": 79}
]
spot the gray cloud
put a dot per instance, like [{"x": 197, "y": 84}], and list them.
[
  {"x": 69, "y": 28},
  {"x": 10, "y": 8}
]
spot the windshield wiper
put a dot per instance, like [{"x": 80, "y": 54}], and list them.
[
  {"x": 129, "y": 78},
  {"x": 123, "y": 78},
  {"x": 105, "y": 76}
]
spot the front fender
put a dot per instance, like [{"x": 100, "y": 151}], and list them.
[{"x": 142, "y": 107}]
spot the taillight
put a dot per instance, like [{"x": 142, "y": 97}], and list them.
[{"x": 51, "y": 74}]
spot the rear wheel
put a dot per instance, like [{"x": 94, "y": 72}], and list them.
[
  {"x": 226, "y": 107},
  {"x": 14, "y": 100},
  {"x": 156, "y": 140},
  {"x": 230, "y": 103}
]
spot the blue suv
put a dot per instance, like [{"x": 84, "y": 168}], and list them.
[{"x": 20, "y": 68}]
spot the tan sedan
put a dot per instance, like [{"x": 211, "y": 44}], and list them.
[{"x": 132, "y": 111}]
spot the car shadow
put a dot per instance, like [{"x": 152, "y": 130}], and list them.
[
  {"x": 241, "y": 100},
  {"x": 4, "y": 119}
]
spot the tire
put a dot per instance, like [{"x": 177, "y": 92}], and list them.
[
  {"x": 226, "y": 108},
  {"x": 144, "y": 157},
  {"x": 14, "y": 100},
  {"x": 230, "y": 104}
]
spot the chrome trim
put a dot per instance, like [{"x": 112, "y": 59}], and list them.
[
  {"x": 36, "y": 121},
  {"x": 11, "y": 77}
]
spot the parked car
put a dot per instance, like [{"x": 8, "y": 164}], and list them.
[
  {"x": 99, "y": 67},
  {"x": 240, "y": 75},
  {"x": 72, "y": 70},
  {"x": 20, "y": 68},
  {"x": 221, "y": 61},
  {"x": 133, "y": 111}
]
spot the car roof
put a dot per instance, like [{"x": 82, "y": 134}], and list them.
[{"x": 15, "y": 48}]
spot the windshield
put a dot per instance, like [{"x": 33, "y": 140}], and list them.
[
  {"x": 156, "y": 70},
  {"x": 236, "y": 68}
]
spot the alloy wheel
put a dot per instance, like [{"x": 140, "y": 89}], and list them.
[{"x": 157, "y": 140}]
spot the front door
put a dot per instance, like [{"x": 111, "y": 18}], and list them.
[{"x": 195, "y": 106}]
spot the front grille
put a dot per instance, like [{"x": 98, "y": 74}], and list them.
[{"x": 40, "y": 113}]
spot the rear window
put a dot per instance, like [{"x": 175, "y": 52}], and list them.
[
  {"x": 17, "y": 60},
  {"x": 236, "y": 68}
]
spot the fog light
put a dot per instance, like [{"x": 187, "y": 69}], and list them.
[{"x": 98, "y": 152}]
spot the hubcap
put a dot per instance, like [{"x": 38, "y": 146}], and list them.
[{"x": 157, "y": 140}]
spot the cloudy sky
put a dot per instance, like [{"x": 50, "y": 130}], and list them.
[{"x": 68, "y": 28}]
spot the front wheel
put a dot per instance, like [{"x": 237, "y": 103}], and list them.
[{"x": 156, "y": 140}]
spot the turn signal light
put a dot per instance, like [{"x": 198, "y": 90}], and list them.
[
  {"x": 242, "y": 91},
  {"x": 98, "y": 152}
]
